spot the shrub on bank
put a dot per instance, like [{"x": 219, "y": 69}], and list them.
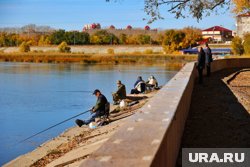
[
  {"x": 64, "y": 48},
  {"x": 237, "y": 46},
  {"x": 148, "y": 51},
  {"x": 246, "y": 43},
  {"x": 110, "y": 51},
  {"x": 24, "y": 47}
]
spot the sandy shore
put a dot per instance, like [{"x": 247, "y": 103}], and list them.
[
  {"x": 219, "y": 115},
  {"x": 74, "y": 145}
]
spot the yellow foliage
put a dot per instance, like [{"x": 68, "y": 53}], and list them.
[
  {"x": 24, "y": 47},
  {"x": 110, "y": 51},
  {"x": 64, "y": 48},
  {"x": 241, "y": 6}
]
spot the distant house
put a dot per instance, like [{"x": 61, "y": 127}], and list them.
[
  {"x": 217, "y": 34},
  {"x": 92, "y": 26},
  {"x": 243, "y": 24}
]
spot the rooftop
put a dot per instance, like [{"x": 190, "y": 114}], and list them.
[
  {"x": 244, "y": 15},
  {"x": 217, "y": 28}
]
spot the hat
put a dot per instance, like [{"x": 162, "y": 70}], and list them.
[
  {"x": 97, "y": 90},
  {"x": 118, "y": 82}
]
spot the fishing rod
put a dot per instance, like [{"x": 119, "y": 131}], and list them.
[
  {"x": 85, "y": 91},
  {"x": 51, "y": 127}
]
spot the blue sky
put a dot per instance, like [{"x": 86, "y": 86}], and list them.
[{"x": 73, "y": 14}]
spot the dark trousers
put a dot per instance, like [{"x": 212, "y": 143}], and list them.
[
  {"x": 208, "y": 69},
  {"x": 200, "y": 71},
  {"x": 134, "y": 91},
  {"x": 94, "y": 115}
]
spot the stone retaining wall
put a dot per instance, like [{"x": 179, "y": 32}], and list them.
[{"x": 152, "y": 136}]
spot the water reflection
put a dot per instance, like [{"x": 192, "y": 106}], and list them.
[{"x": 36, "y": 96}]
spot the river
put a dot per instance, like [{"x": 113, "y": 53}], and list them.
[{"x": 36, "y": 96}]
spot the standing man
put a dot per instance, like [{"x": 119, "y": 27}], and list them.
[
  {"x": 120, "y": 93},
  {"x": 97, "y": 111},
  {"x": 200, "y": 63},
  {"x": 209, "y": 59}
]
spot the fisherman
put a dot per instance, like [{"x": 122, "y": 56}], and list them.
[
  {"x": 152, "y": 83},
  {"x": 139, "y": 86},
  {"x": 120, "y": 94},
  {"x": 97, "y": 111}
]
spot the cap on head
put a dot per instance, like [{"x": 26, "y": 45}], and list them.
[
  {"x": 119, "y": 82},
  {"x": 139, "y": 78},
  {"x": 96, "y": 91}
]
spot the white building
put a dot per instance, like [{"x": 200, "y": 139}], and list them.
[
  {"x": 217, "y": 34},
  {"x": 243, "y": 24}
]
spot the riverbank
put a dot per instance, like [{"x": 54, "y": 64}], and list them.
[
  {"x": 75, "y": 145},
  {"x": 147, "y": 59},
  {"x": 92, "y": 49}
]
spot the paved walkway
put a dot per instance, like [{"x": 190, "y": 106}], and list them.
[{"x": 216, "y": 117}]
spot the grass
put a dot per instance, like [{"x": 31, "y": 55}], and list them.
[
  {"x": 239, "y": 56},
  {"x": 220, "y": 45},
  {"x": 132, "y": 58}
]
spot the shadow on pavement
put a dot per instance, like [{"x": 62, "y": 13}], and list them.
[{"x": 216, "y": 119}]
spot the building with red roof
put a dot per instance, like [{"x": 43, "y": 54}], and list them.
[
  {"x": 243, "y": 24},
  {"x": 217, "y": 34}
]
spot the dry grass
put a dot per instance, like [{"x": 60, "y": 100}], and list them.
[
  {"x": 138, "y": 58},
  {"x": 237, "y": 56}
]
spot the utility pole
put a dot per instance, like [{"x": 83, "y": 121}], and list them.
[{"x": 74, "y": 38}]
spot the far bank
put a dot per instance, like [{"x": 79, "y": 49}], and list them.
[{"x": 56, "y": 57}]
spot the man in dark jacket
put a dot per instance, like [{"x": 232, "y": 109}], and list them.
[
  {"x": 120, "y": 93},
  {"x": 200, "y": 63},
  {"x": 209, "y": 59},
  {"x": 139, "y": 86},
  {"x": 97, "y": 111}
]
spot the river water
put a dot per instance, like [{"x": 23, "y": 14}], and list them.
[{"x": 36, "y": 96}]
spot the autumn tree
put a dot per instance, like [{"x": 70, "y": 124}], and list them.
[
  {"x": 44, "y": 41},
  {"x": 76, "y": 38},
  {"x": 103, "y": 37},
  {"x": 123, "y": 38},
  {"x": 241, "y": 6},
  {"x": 173, "y": 40},
  {"x": 192, "y": 36},
  {"x": 57, "y": 37},
  {"x": 237, "y": 46},
  {"x": 194, "y": 8},
  {"x": 143, "y": 39},
  {"x": 246, "y": 43}
]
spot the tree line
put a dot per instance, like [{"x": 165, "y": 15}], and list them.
[{"x": 101, "y": 37}]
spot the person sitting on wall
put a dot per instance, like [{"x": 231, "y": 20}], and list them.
[
  {"x": 152, "y": 83},
  {"x": 100, "y": 109},
  {"x": 139, "y": 86},
  {"x": 120, "y": 93}
]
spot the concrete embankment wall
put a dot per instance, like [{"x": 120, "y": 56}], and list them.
[{"x": 152, "y": 136}]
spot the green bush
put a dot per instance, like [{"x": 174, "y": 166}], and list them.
[
  {"x": 246, "y": 43},
  {"x": 64, "y": 48},
  {"x": 110, "y": 51},
  {"x": 24, "y": 47},
  {"x": 237, "y": 46}
]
